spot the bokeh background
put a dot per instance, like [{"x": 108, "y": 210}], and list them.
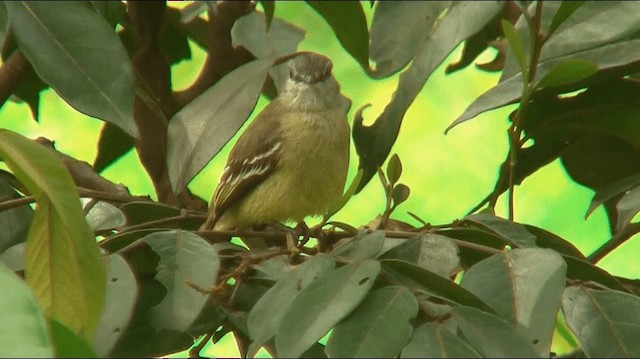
[{"x": 448, "y": 175}]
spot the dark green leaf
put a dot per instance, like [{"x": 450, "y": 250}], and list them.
[
  {"x": 14, "y": 222},
  {"x": 436, "y": 285},
  {"x": 515, "y": 45},
  {"x": 606, "y": 322},
  {"x": 364, "y": 245},
  {"x": 433, "y": 252},
  {"x": 580, "y": 269},
  {"x": 75, "y": 51},
  {"x": 68, "y": 344},
  {"x": 491, "y": 336},
  {"x": 545, "y": 239},
  {"x": 121, "y": 240},
  {"x": 183, "y": 257},
  {"x": 568, "y": 72},
  {"x": 398, "y": 30},
  {"x": 112, "y": 144},
  {"x": 400, "y": 194},
  {"x": 323, "y": 304},
  {"x": 113, "y": 11},
  {"x": 145, "y": 211},
  {"x": 266, "y": 314},
  {"x": 628, "y": 206},
  {"x": 349, "y": 24},
  {"x": 4, "y": 23},
  {"x": 564, "y": 11},
  {"x": 196, "y": 29},
  {"x": 524, "y": 286},
  {"x": 434, "y": 340},
  {"x": 378, "y": 328},
  {"x": 13, "y": 257},
  {"x": 120, "y": 298},
  {"x": 513, "y": 233},
  {"x": 103, "y": 216},
  {"x": 461, "y": 21},
  {"x": 609, "y": 191},
  {"x": 198, "y": 131},
  {"x": 269, "y": 8},
  {"x": 62, "y": 262},
  {"x": 23, "y": 327},
  {"x": 394, "y": 169}
]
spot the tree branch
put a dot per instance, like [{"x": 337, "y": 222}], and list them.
[{"x": 11, "y": 74}]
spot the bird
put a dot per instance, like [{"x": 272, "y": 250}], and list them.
[{"x": 292, "y": 160}]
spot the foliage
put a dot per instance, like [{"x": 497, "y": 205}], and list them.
[{"x": 119, "y": 275}]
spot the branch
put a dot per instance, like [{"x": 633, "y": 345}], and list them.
[
  {"x": 11, "y": 74},
  {"x": 618, "y": 239}
]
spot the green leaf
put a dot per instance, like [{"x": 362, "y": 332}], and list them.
[
  {"x": 378, "y": 328},
  {"x": 515, "y": 45},
  {"x": 75, "y": 51},
  {"x": 581, "y": 270},
  {"x": 433, "y": 252},
  {"x": 62, "y": 262},
  {"x": 200, "y": 130},
  {"x": 120, "y": 299},
  {"x": 400, "y": 194},
  {"x": 628, "y": 206},
  {"x": 398, "y": 29},
  {"x": 323, "y": 304},
  {"x": 434, "y": 340},
  {"x": 281, "y": 38},
  {"x": 23, "y": 327},
  {"x": 103, "y": 216},
  {"x": 611, "y": 190},
  {"x": 373, "y": 143},
  {"x": 269, "y": 8},
  {"x": 491, "y": 336},
  {"x": 267, "y": 313},
  {"x": 112, "y": 144},
  {"x": 524, "y": 286},
  {"x": 68, "y": 344},
  {"x": 394, "y": 169},
  {"x": 183, "y": 257},
  {"x": 349, "y": 24},
  {"x": 138, "y": 212},
  {"x": 513, "y": 233},
  {"x": 564, "y": 11},
  {"x": 364, "y": 245},
  {"x": 568, "y": 72},
  {"x": 14, "y": 222},
  {"x": 436, "y": 285},
  {"x": 606, "y": 322}
]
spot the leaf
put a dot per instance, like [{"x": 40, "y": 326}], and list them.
[
  {"x": 510, "y": 90},
  {"x": 68, "y": 344},
  {"x": 337, "y": 206},
  {"x": 138, "y": 212},
  {"x": 103, "y": 216},
  {"x": 436, "y": 285},
  {"x": 491, "y": 336},
  {"x": 183, "y": 257},
  {"x": 282, "y": 38},
  {"x": 75, "y": 51},
  {"x": 323, "y": 304},
  {"x": 516, "y": 45},
  {"x": 349, "y": 24},
  {"x": 198, "y": 131},
  {"x": 609, "y": 191},
  {"x": 373, "y": 143},
  {"x": 378, "y": 328},
  {"x": 524, "y": 286},
  {"x": 120, "y": 299},
  {"x": 564, "y": 11},
  {"x": 545, "y": 239},
  {"x": 433, "y": 340},
  {"x": 365, "y": 245},
  {"x": 606, "y": 322},
  {"x": 269, "y": 8},
  {"x": 267, "y": 313},
  {"x": 397, "y": 31},
  {"x": 14, "y": 222},
  {"x": 581, "y": 270},
  {"x": 568, "y": 72},
  {"x": 628, "y": 206},
  {"x": 112, "y": 144},
  {"x": 394, "y": 169},
  {"x": 192, "y": 10},
  {"x": 23, "y": 327},
  {"x": 433, "y": 252},
  {"x": 511, "y": 232},
  {"x": 400, "y": 194},
  {"x": 62, "y": 262}
]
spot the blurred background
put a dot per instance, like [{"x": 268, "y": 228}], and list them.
[{"x": 448, "y": 175}]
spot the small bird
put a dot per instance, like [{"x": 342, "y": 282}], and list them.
[{"x": 292, "y": 160}]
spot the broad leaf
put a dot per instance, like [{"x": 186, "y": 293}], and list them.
[
  {"x": 373, "y": 143},
  {"x": 434, "y": 340},
  {"x": 564, "y": 11},
  {"x": 628, "y": 206},
  {"x": 14, "y": 222},
  {"x": 524, "y": 286},
  {"x": 75, "y": 51},
  {"x": 266, "y": 314},
  {"x": 112, "y": 144},
  {"x": 606, "y": 322},
  {"x": 430, "y": 251},
  {"x": 120, "y": 298},
  {"x": 349, "y": 24},
  {"x": 323, "y": 304},
  {"x": 363, "y": 246},
  {"x": 568, "y": 72},
  {"x": 511, "y": 232},
  {"x": 104, "y": 215},
  {"x": 378, "y": 328},
  {"x": 184, "y": 257},
  {"x": 198, "y": 131},
  {"x": 23, "y": 327},
  {"x": 68, "y": 344},
  {"x": 611, "y": 190},
  {"x": 515, "y": 45},
  {"x": 491, "y": 336},
  {"x": 62, "y": 262}
]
